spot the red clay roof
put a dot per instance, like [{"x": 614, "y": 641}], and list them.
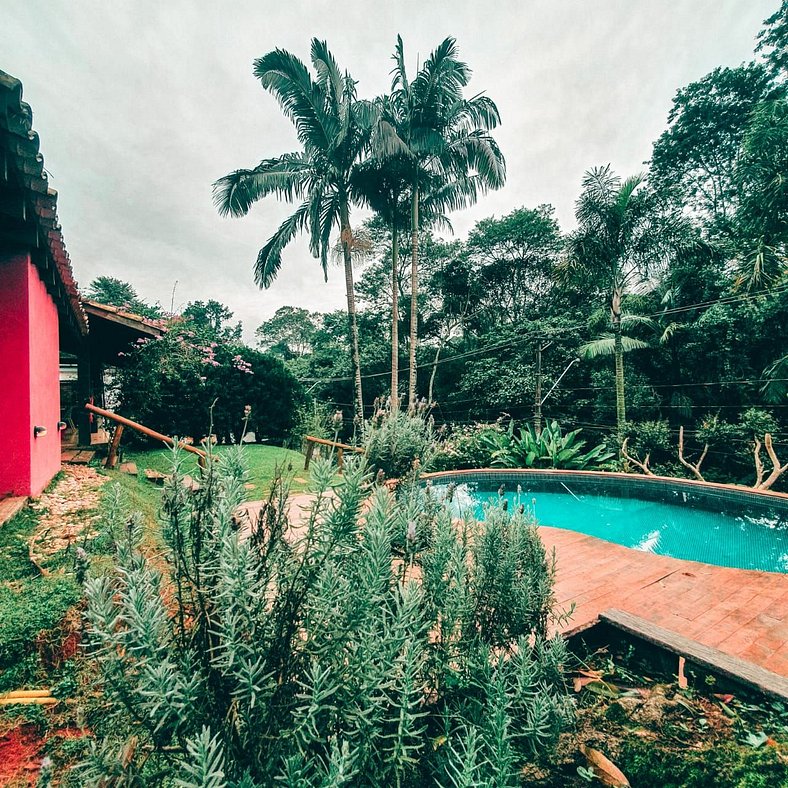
[
  {"x": 22, "y": 157},
  {"x": 145, "y": 324}
]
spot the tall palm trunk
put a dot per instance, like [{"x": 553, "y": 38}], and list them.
[
  {"x": 618, "y": 352},
  {"x": 414, "y": 292},
  {"x": 346, "y": 236},
  {"x": 394, "y": 318}
]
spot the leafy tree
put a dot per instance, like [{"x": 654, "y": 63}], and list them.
[
  {"x": 116, "y": 292},
  {"x": 174, "y": 384},
  {"x": 290, "y": 331},
  {"x": 333, "y": 127},
  {"x": 762, "y": 216},
  {"x": 209, "y": 320},
  {"x": 696, "y": 156},
  {"x": 515, "y": 258},
  {"x": 773, "y": 42}
]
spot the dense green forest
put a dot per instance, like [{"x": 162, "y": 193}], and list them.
[
  {"x": 683, "y": 265},
  {"x": 666, "y": 307}
]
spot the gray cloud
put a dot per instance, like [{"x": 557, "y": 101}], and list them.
[{"x": 141, "y": 105}]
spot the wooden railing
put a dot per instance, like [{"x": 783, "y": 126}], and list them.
[
  {"x": 122, "y": 422},
  {"x": 312, "y": 443}
]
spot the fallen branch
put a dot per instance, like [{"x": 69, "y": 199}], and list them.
[
  {"x": 642, "y": 465},
  {"x": 777, "y": 469},
  {"x": 696, "y": 467}
]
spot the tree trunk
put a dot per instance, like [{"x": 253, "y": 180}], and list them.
[
  {"x": 432, "y": 374},
  {"x": 345, "y": 235},
  {"x": 538, "y": 393},
  {"x": 414, "y": 291},
  {"x": 618, "y": 352},
  {"x": 394, "y": 319}
]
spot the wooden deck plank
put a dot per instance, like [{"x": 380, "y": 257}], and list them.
[
  {"x": 713, "y": 659},
  {"x": 742, "y": 613}
]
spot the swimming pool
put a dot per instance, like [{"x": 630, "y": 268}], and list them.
[{"x": 709, "y": 523}]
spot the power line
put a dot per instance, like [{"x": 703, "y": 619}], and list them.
[
  {"x": 722, "y": 300},
  {"x": 552, "y": 332},
  {"x": 429, "y": 365}
]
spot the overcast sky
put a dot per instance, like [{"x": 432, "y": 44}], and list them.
[{"x": 142, "y": 104}]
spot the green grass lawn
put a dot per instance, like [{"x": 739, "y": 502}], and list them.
[{"x": 262, "y": 462}]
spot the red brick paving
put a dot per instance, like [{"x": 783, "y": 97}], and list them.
[{"x": 741, "y": 612}]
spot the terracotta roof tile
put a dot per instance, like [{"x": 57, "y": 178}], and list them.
[{"x": 21, "y": 144}]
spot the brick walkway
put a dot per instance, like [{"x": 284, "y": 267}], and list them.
[{"x": 741, "y": 612}]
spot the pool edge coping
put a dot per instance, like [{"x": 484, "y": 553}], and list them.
[{"x": 735, "y": 488}]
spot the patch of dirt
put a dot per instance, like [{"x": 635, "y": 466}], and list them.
[
  {"x": 20, "y": 759},
  {"x": 66, "y": 510}
]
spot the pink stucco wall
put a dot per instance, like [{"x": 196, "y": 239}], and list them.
[{"x": 29, "y": 377}]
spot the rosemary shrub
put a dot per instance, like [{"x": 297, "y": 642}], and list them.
[{"x": 381, "y": 645}]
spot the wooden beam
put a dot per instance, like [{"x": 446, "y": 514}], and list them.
[{"x": 711, "y": 659}]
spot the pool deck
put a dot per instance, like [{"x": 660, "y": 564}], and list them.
[{"x": 740, "y": 612}]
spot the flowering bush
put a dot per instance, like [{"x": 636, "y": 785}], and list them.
[{"x": 170, "y": 384}]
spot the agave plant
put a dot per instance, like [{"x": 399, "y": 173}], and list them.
[{"x": 524, "y": 448}]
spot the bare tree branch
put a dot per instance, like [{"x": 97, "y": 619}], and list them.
[{"x": 694, "y": 468}]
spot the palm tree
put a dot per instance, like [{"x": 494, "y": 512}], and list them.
[
  {"x": 384, "y": 187},
  {"x": 622, "y": 240},
  {"x": 333, "y": 127},
  {"x": 445, "y": 142}
]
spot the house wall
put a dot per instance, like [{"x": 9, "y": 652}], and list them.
[
  {"x": 29, "y": 385},
  {"x": 44, "y": 339}
]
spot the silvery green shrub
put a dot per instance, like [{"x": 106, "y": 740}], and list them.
[{"x": 382, "y": 644}]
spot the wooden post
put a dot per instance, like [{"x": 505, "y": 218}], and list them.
[
  {"x": 310, "y": 450},
  {"x": 112, "y": 453},
  {"x": 339, "y": 459}
]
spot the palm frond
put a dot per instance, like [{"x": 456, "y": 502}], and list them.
[
  {"x": 640, "y": 320},
  {"x": 605, "y": 346},
  {"x": 235, "y": 193},
  {"x": 775, "y": 390},
  {"x": 301, "y": 99},
  {"x": 329, "y": 216},
  {"x": 477, "y": 112},
  {"x": 329, "y": 76},
  {"x": 386, "y": 141},
  {"x": 269, "y": 258},
  {"x": 481, "y": 152},
  {"x": 399, "y": 72},
  {"x": 441, "y": 77}
]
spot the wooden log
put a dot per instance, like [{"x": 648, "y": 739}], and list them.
[
  {"x": 112, "y": 452},
  {"x": 48, "y": 701},
  {"x": 335, "y": 444},
  {"x": 108, "y": 414},
  {"x": 32, "y": 693}
]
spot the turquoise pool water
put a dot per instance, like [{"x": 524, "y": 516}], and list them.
[{"x": 726, "y": 529}]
